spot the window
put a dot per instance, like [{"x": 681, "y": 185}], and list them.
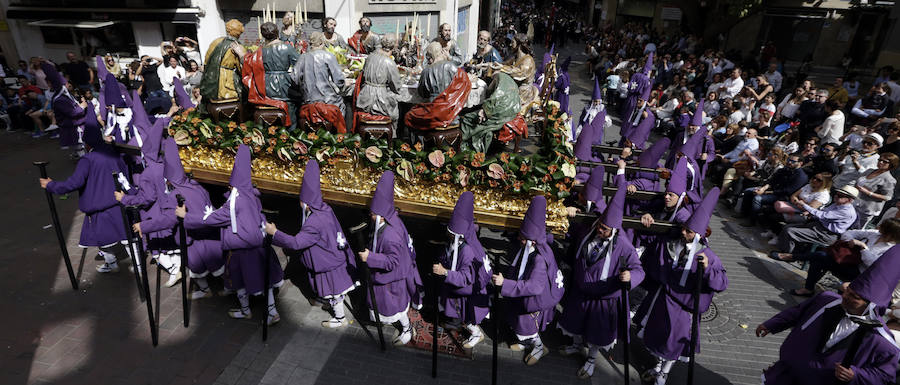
[{"x": 57, "y": 35}]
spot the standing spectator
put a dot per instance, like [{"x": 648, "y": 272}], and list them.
[
  {"x": 80, "y": 74},
  {"x": 135, "y": 79},
  {"x": 832, "y": 129},
  {"x": 168, "y": 73},
  {"x": 40, "y": 78},
  {"x": 884, "y": 74},
  {"x": 852, "y": 86},
  {"x": 812, "y": 113},
  {"x": 193, "y": 75},
  {"x": 191, "y": 49},
  {"x": 152, "y": 85},
  {"x": 774, "y": 77},
  {"x": 787, "y": 109},
  {"x": 875, "y": 188},
  {"x": 894, "y": 87},
  {"x": 838, "y": 93},
  {"x": 732, "y": 85}
]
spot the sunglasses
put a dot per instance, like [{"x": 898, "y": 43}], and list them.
[
  {"x": 869, "y": 143},
  {"x": 793, "y": 160},
  {"x": 883, "y": 161},
  {"x": 820, "y": 180}
]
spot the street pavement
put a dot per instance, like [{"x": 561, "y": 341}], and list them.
[{"x": 99, "y": 334}]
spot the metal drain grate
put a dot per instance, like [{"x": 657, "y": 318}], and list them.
[{"x": 710, "y": 313}]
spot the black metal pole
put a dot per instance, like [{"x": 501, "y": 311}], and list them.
[
  {"x": 267, "y": 245},
  {"x": 138, "y": 269},
  {"x": 182, "y": 242},
  {"x": 496, "y": 321},
  {"x": 158, "y": 278},
  {"x": 626, "y": 335},
  {"x": 142, "y": 262},
  {"x": 436, "y": 285},
  {"x": 695, "y": 322},
  {"x": 59, "y": 235},
  {"x": 370, "y": 282}
]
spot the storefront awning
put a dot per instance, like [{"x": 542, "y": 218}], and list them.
[
  {"x": 176, "y": 15},
  {"x": 82, "y": 24}
]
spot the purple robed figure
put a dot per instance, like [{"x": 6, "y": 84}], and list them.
[
  {"x": 68, "y": 113},
  {"x": 674, "y": 206},
  {"x": 584, "y": 152},
  {"x": 396, "y": 280},
  {"x": 464, "y": 294},
  {"x": 92, "y": 178},
  {"x": 649, "y": 158},
  {"x": 181, "y": 96},
  {"x": 822, "y": 332},
  {"x": 639, "y": 87},
  {"x": 665, "y": 316},
  {"x": 592, "y": 199},
  {"x": 593, "y": 115},
  {"x": 535, "y": 284},
  {"x": 204, "y": 245},
  {"x": 562, "y": 86},
  {"x": 115, "y": 109},
  {"x": 325, "y": 253},
  {"x": 593, "y": 300},
  {"x": 241, "y": 222}
]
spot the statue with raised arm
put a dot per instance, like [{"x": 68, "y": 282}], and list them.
[{"x": 222, "y": 75}]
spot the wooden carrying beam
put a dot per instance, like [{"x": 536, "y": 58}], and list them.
[
  {"x": 494, "y": 220},
  {"x": 631, "y": 223},
  {"x": 612, "y": 167},
  {"x": 609, "y": 191},
  {"x": 613, "y": 150}
]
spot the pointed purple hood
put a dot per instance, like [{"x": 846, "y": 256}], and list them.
[
  {"x": 242, "y": 172},
  {"x": 598, "y": 92},
  {"x": 311, "y": 190},
  {"x": 173, "y": 170},
  {"x": 878, "y": 281},
  {"x": 678, "y": 181},
  {"x": 639, "y": 134},
  {"x": 101, "y": 68},
  {"x": 691, "y": 147},
  {"x": 112, "y": 94},
  {"x": 699, "y": 220},
  {"x": 645, "y": 93},
  {"x": 463, "y": 218},
  {"x": 152, "y": 140},
  {"x": 181, "y": 96},
  {"x": 383, "y": 199},
  {"x": 583, "y": 150},
  {"x": 139, "y": 116},
  {"x": 651, "y": 156},
  {"x": 697, "y": 119},
  {"x": 55, "y": 78},
  {"x": 593, "y": 188},
  {"x": 612, "y": 217},
  {"x": 534, "y": 225},
  {"x": 92, "y": 131},
  {"x": 648, "y": 66},
  {"x": 564, "y": 67}
]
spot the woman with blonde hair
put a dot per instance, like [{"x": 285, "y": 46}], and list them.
[
  {"x": 875, "y": 188},
  {"x": 816, "y": 193}
]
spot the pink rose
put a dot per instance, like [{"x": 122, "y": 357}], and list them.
[
  {"x": 495, "y": 171},
  {"x": 436, "y": 158}
]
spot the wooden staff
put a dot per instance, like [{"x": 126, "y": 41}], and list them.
[
  {"x": 138, "y": 272},
  {"x": 59, "y": 235},
  {"x": 182, "y": 241},
  {"x": 367, "y": 274},
  {"x": 140, "y": 263},
  {"x": 695, "y": 322},
  {"x": 624, "y": 325}
]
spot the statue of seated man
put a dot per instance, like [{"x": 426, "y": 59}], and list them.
[
  {"x": 222, "y": 73},
  {"x": 320, "y": 80},
  {"x": 380, "y": 79},
  {"x": 446, "y": 88},
  {"x": 521, "y": 67},
  {"x": 266, "y": 73},
  {"x": 500, "y": 106}
]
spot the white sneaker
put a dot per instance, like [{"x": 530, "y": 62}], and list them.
[
  {"x": 52, "y": 127},
  {"x": 404, "y": 337},
  {"x": 587, "y": 370},
  {"x": 173, "y": 279},
  {"x": 273, "y": 319},
  {"x": 661, "y": 379},
  {"x": 334, "y": 323},
  {"x": 108, "y": 268},
  {"x": 535, "y": 355},
  {"x": 473, "y": 340},
  {"x": 238, "y": 313},
  {"x": 200, "y": 294},
  {"x": 516, "y": 347},
  {"x": 569, "y": 350}
]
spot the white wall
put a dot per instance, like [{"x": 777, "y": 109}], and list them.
[
  {"x": 147, "y": 36},
  {"x": 211, "y": 26},
  {"x": 343, "y": 12}
]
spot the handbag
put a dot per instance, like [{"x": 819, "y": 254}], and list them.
[{"x": 844, "y": 253}]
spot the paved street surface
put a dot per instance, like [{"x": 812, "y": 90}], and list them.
[{"x": 99, "y": 334}]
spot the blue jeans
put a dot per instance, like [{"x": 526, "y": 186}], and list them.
[{"x": 753, "y": 203}]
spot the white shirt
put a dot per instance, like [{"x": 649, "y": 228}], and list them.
[
  {"x": 873, "y": 250},
  {"x": 738, "y": 152},
  {"x": 774, "y": 79},
  {"x": 808, "y": 195},
  {"x": 844, "y": 328},
  {"x": 733, "y": 87},
  {"x": 665, "y": 112},
  {"x": 167, "y": 73},
  {"x": 788, "y": 108},
  {"x": 832, "y": 128}
]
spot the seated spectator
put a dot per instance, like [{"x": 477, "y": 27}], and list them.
[
  {"x": 711, "y": 107},
  {"x": 854, "y": 136},
  {"x": 856, "y": 163},
  {"x": 875, "y": 188},
  {"x": 892, "y": 140},
  {"x": 743, "y": 151},
  {"x": 781, "y": 186},
  {"x": 825, "y": 161},
  {"x": 15, "y": 109},
  {"x": 787, "y": 109},
  {"x": 832, "y": 129},
  {"x": 838, "y": 93},
  {"x": 760, "y": 170},
  {"x": 787, "y": 142},
  {"x": 829, "y": 223},
  {"x": 871, "y": 243},
  {"x": 728, "y": 139},
  {"x": 873, "y": 106},
  {"x": 816, "y": 194},
  {"x": 812, "y": 113},
  {"x": 41, "y": 108}
]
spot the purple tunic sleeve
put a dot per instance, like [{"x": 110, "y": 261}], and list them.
[
  {"x": 307, "y": 237},
  {"x": 633, "y": 264},
  {"x": 144, "y": 195},
  {"x": 532, "y": 285},
  {"x": 166, "y": 220},
  {"x": 789, "y": 317},
  {"x": 714, "y": 275},
  {"x": 388, "y": 259},
  {"x": 219, "y": 218},
  {"x": 643, "y": 184},
  {"x": 463, "y": 276},
  {"x": 881, "y": 368},
  {"x": 75, "y": 181}
]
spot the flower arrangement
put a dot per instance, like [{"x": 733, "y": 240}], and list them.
[{"x": 551, "y": 170}]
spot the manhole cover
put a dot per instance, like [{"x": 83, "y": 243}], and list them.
[{"x": 710, "y": 313}]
